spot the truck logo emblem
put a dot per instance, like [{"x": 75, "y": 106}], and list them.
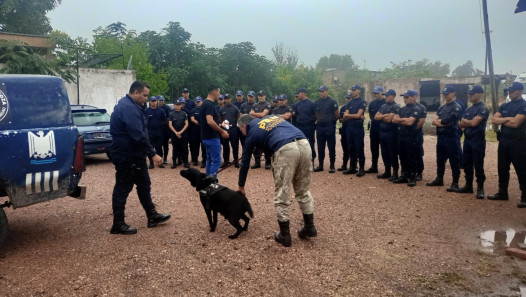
[
  {"x": 42, "y": 148},
  {"x": 4, "y": 106}
]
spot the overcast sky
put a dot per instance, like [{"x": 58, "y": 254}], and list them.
[{"x": 374, "y": 32}]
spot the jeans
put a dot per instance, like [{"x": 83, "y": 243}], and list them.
[{"x": 213, "y": 155}]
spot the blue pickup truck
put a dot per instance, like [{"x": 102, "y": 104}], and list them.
[{"x": 41, "y": 150}]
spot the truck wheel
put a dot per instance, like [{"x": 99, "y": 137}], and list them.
[{"x": 3, "y": 226}]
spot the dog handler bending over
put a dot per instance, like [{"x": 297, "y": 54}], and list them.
[{"x": 291, "y": 164}]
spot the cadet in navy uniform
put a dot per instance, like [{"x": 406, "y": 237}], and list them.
[
  {"x": 407, "y": 137},
  {"x": 448, "y": 144},
  {"x": 156, "y": 121},
  {"x": 420, "y": 157},
  {"x": 374, "y": 132},
  {"x": 304, "y": 113},
  {"x": 196, "y": 140},
  {"x": 282, "y": 109},
  {"x": 239, "y": 100},
  {"x": 129, "y": 148},
  {"x": 166, "y": 130},
  {"x": 179, "y": 125},
  {"x": 343, "y": 134},
  {"x": 189, "y": 103},
  {"x": 512, "y": 143},
  {"x": 389, "y": 135},
  {"x": 354, "y": 115},
  {"x": 474, "y": 124},
  {"x": 230, "y": 113},
  {"x": 259, "y": 110},
  {"x": 327, "y": 114},
  {"x": 291, "y": 164},
  {"x": 245, "y": 108}
]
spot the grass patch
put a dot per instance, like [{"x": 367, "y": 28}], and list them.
[
  {"x": 454, "y": 278},
  {"x": 519, "y": 274},
  {"x": 491, "y": 136},
  {"x": 427, "y": 283},
  {"x": 486, "y": 266}
]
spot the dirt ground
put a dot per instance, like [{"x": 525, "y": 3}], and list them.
[{"x": 375, "y": 238}]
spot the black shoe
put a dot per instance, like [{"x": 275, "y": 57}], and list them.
[
  {"x": 393, "y": 177},
  {"x": 360, "y": 173},
  {"x": 435, "y": 183},
  {"x": 522, "y": 203},
  {"x": 480, "y": 192},
  {"x": 384, "y": 175},
  {"x": 122, "y": 228},
  {"x": 343, "y": 168},
  {"x": 195, "y": 163},
  {"x": 164, "y": 161},
  {"x": 173, "y": 166},
  {"x": 411, "y": 182},
  {"x": 152, "y": 166},
  {"x": 162, "y": 166},
  {"x": 418, "y": 177},
  {"x": 331, "y": 170},
  {"x": 203, "y": 164},
  {"x": 401, "y": 180},
  {"x": 155, "y": 218},
  {"x": 349, "y": 171},
  {"x": 267, "y": 166},
  {"x": 468, "y": 188},
  {"x": 256, "y": 166},
  {"x": 186, "y": 165},
  {"x": 308, "y": 230},
  {"x": 236, "y": 165},
  {"x": 373, "y": 169},
  {"x": 179, "y": 162},
  {"x": 453, "y": 188},
  {"x": 498, "y": 196},
  {"x": 318, "y": 169},
  {"x": 283, "y": 236}
]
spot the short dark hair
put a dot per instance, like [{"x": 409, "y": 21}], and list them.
[
  {"x": 212, "y": 88},
  {"x": 138, "y": 86}
]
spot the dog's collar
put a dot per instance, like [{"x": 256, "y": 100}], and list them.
[{"x": 211, "y": 189}]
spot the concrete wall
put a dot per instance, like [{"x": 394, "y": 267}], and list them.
[{"x": 101, "y": 87}]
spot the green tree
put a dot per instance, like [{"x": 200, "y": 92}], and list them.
[
  {"x": 418, "y": 69},
  {"x": 66, "y": 48},
  {"x": 467, "y": 69},
  {"x": 26, "y": 16},
  {"x": 285, "y": 56},
  {"x": 337, "y": 61}
]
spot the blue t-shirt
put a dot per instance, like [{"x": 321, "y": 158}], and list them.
[
  {"x": 246, "y": 108},
  {"x": 387, "y": 108},
  {"x": 449, "y": 115},
  {"x": 478, "y": 109},
  {"x": 208, "y": 108},
  {"x": 374, "y": 107},
  {"x": 156, "y": 118},
  {"x": 354, "y": 107},
  {"x": 511, "y": 109},
  {"x": 410, "y": 111},
  {"x": 304, "y": 113},
  {"x": 325, "y": 109},
  {"x": 229, "y": 113}
]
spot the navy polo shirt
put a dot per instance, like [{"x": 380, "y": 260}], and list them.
[
  {"x": 178, "y": 119},
  {"x": 229, "y": 113},
  {"x": 208, "y": 108},
  {"x": 374, "y": 107},
  {"x": 270, "y": 132},
  {"x": 246, "y": 108},
  {"x": 189, "y": 105},
  {"x": 195, "y": 113},
  {"x": 510, "y": 110},
  {"x": 422, "y": 116},
  {"x": 478, "y": 109},
  {"x": 410, "y": 111},
  {"x": 449, "y": 115},
  {"x": 305, "y": 113},
  {"x": 325, "y": 109},
  {"x": 279, "y": 110},
  {"x": 166, "y": 109},
  {"x": 261, "y": 106},
  {"x": 238, "y": 104},
  {"x": 387, "y": 108},
  {"x": 353, "y": 107},
  {"x": 156, "y": 118}
]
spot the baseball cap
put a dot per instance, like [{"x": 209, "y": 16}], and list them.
[
  {"x": 323, "y": 88},
  {"x": 390, "y": 92},
  {"x": 515, "y": 86},
  {"x": 251, "y": 93},
  {"x": 475, "y": 90},
  {"x": 448, "y": 89},
  {"x": 153, "y": 98},
  {"x": 282, "y": 97},
  {"x": 356, "y": 87},
  {"x": 198, "y": 99},
  {"x": 180, "y": 101},
  {"x": 348, "y": 96},
  {"x": 410, "y": 93},
  {"x": 227, "y": 96},
  {"x": 275, "y": 98},
  {"x": 185, "y": 90},
  {"x": 378, "y": 89},
  {"x": 261, "y": 93},
  {"x": 239, "y": 92},
  {"x": 301, "y": 90},
  {"x": 160, "y": 98},
  {"x": 222, "y": 97}
]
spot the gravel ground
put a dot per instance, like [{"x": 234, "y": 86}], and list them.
[{"x": 374, "y": 238}]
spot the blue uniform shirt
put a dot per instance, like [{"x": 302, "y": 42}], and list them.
[
  {"x": 156, "y": 118},
  {"x": 422, "y": 116},
  {"x": 270, "y": 132},
  {"x": 353, "y": 107},
  {"x": 511, "y": 109},
  {"x": 246, "y": 108},
  {"x": 166, "y": 109},
  {"x": 478, "y": 109},
  {"x": 449, "y": 115},
  {"x": 325, "y": 109},
  {"x": 374, "y": 107},
  {"x": 410, "y": 111},
  {"x": 462, "y": 105},
  {"x": 208, "y": 108},
  {"x": 387, "y": 108},
  {"x": 189, "y": 105},
  {"x": 129, "y": 131},
  {"x": 304, "y": 111},
  {"x": 229, "y": 113},
  {"x": 178, "y": 119},
  {"x": 238, "y": 104}
]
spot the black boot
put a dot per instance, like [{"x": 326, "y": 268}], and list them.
[
  {"x": 152, "y": 166},
  {"x": 120, "y": 227},
  {"x": 256, "y": 165},
  {"x": 352, "y": 167},
  {"x": 401, "y": 180},
  {"x": 394, "y": 176},
  {"x": 344, "y": 165},
  {"x": 331, "y": 167},
  {"x": 468, "y": 188},
  {"x": 283, "y": 236},
  {"x": 500, "y": 195},
  {"x": 386, "y": 174},
  {"x": 319, "y": 168},
  {"x": 438, "y": 182},
  {"x": 522, "y": 203},
  {"x": 454, "y": 187},
  {"x": 165, "y": 161},
  {"x": 418, "y": 176},
  {"x": 361, "y": 172},
  {"x": 373, "y": 169},
  {"x": 308, "y": 229},
  {"x": 155, "y": 218},
  {"x": 480, "y": 191},
  {"x": 411, "y": 181}
]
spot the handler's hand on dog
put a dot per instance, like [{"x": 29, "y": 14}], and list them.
[{"x": 241, "y": 190}]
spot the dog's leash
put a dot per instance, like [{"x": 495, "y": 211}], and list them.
[{"x": 226, "y": 166}]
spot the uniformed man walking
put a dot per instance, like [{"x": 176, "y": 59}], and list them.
[
  {"x": 512, "y": 143},
  {"x": 326, "y": 110},
  {"x": 473, "y": 123},
  {"x": 389, "y": 135},
  {"x": 283, "y": 110},
  {"x": 448, "y": 144},
  {"x": 343, "y": 134},
  {"x": 304, "y": 113},
  {"x": 291, "y": 164},
  {"x": 374, "y": 132},
  {"x": 156, "y": 121},
  {"x": 228, "y": 115},
  {"x": 354, "y": 115},
  {"x": 259, "y": 110},
  {"x": 129, "y": 148}
]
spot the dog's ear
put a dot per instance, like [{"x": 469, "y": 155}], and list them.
[{"x": 204, "y": 181}]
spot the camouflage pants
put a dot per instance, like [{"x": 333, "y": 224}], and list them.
[{"x": 291, "y": 165}]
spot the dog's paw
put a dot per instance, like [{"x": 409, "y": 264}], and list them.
[{"x": 234, "y": 236}]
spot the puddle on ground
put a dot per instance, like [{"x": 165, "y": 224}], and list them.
[{"x": 498, "y": 241}]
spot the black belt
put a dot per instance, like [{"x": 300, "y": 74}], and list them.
[{"x": 297, "y": 139}]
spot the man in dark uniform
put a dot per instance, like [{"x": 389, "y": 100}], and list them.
[
  {"x": 196, "y": 140},
  {"x": 273, "y": 103},
  {"x": 228, "y": 115},
  {"x": 245, "y": 108},
  {"x": 374, "y": 132},
  {"x": 304, "y": 113},
  {"x": 407, "y": 119},
  {"x": 354, "y": 115},
  {"x": 189, "y": 103},
  {"x": 291, "y": 164},
  {"x": 179, "y": 125},
  {"x": 343, "y": 134},
  {"x": 420, "y": 157},
  {"x": 389, "y": 135},
  {"x": 474, "y": 124},
  {"x": 448, "y": 144},
  {"x": 129, "y": 148},
  {"x": 220, "y": 102},
  {"x": 156, "y": 121},
  {"x": 282, "y": 109},
  {"x": 326, "y": 110},
  {"x": 512, "y": 143},
  {"x": 239, "y": 100},
  {"x": 166, "y": 130},
  {"x": 259, "y": 110}
]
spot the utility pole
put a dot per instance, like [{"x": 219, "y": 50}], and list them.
[{"x": 489, "y": 56}]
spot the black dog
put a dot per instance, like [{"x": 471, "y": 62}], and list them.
[{"x": 217, "y": 198}]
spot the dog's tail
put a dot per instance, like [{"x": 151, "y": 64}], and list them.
[{"x": 248, "y": 208}]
